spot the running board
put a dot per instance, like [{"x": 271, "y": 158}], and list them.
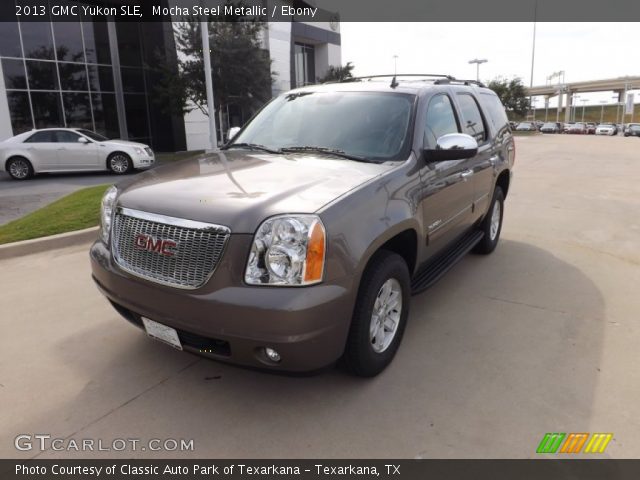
[{"x": 430, "y": 272}]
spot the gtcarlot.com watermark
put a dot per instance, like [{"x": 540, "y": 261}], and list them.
[{"x": 44, "y": 441}]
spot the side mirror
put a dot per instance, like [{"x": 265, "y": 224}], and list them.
[
  {"x": 452, "y": 146},
  {"x": 232, "y": 132},
  {"x": 83, "y": 140}
]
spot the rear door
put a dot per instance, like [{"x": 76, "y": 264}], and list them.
[
  {"x": 447, "y": 189},
  {"x": 73, "y": 154},
  {"x": 42, "y": 148}
]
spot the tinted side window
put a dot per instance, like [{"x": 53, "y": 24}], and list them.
[
  {"x": 64, "y": 136},
  {"x": 41, "y": 137},
  {"x": 472, "y": 118},
  {"x": 441, "y": 119},
  {"x": 495, "y": 109}
]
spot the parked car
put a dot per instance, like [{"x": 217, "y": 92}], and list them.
[
  {"x": 633, "y": 130},
  {"x": 577, "y": 128},
  {"x": 253, "y": 256},
  {"x": 551, "y": 127},
  {"x": 566, "y": 127},
  {"x": 513, "y": 125},
  {"x": 591, "y": 128},
  {"x": 70, "y": 150},
  {"x": 526, "y": 127},
  {"x": 607, "y": 129}
]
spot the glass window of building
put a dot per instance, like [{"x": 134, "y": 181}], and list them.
[
  {"x": 14, "y": 75},
  {"x": 73, "y": 76},
  {"x": 96, "y": 42},
  {"x": 100, "y": 78},
  {"x": 19, "y": 111},
  {"x": 304, "y": 63},
  {"x": 42, "y": 75},
  {"x": 105, "y": 114},
  {"x": 68, "y": 39},
  {"x": 136, "y": 113},
  {"x": 132, "y": 80},
  {"x": 129, "y": 45},
  {"x": 47, "y": 109},
  {"x": 37, "y": 40},
  {"x": 77, "y": 110},
  {"x": 9, "y": 33}
]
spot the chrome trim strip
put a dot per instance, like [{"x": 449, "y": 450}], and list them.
[{"x": 175, "y": 221}]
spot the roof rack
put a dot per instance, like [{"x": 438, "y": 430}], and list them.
[
  {"x": 457, "y": 81},
  {"x": 369, "y": 77},
  {"x": 440, "y": 79}
]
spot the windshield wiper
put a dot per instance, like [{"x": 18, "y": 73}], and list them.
[
  {"x": 327, "y": 150},
  {"x": 253, "y": 146}
]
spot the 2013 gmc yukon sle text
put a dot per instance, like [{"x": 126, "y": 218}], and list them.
[{"x": 302, "y": 240}]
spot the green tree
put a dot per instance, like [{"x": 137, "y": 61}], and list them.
[
  {"x": 241, "y": 68},
  {"x": 337, "y": 73},
  {"x": 512, "y": 93}
]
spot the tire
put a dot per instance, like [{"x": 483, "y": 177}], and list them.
[
  {"x": 119, "y": 163},
  {"x": 490, "y": 226},
  {"x": 367, "y": 354},
  {"x": 19, "y": 168}
]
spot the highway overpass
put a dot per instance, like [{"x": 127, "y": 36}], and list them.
[{"x": 618, "y": 85}]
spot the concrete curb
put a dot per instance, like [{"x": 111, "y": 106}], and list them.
[{"x": 27, "y": 247}]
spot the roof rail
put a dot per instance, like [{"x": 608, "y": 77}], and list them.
[
  {"x": 460, "y": 82},
  {"x": 393, "y": 75}
]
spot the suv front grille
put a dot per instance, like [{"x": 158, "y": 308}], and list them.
[{"x": 167, "y": 250}]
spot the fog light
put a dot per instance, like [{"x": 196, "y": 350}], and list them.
[{"x": 272, "y": 355}]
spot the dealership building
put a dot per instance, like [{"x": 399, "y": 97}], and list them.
[{"x": 96, "y": 75}]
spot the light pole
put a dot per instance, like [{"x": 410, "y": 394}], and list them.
[
  {"x": 478, "y": 61},
  {"x": 395, "y": 65},
  {"x": 534, "y": 100},
  {"x": 583, "y": 100},
  {"x": 206, "y": 56},
  {"x": 615, "y": 97},
  {"x": 602, "y": 102}
]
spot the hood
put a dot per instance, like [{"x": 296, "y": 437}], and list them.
[
  {"x": 239, "y": 189},
  {"x": 125, "y": 143}
]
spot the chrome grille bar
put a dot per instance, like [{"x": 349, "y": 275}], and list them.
[{"x": 167, "y": 250}]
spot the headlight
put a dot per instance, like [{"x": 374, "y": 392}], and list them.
[
  {"x": 287, "y": 250},
  {"x": 106, "y": 212}
]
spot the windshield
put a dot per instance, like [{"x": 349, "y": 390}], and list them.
[
  {"x": 92, "y": 135},
  {"x": 374, "y": 126},
  {"x": 634, "y": 127}
]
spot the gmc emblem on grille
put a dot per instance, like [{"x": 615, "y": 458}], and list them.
[{"x": 157, "y": 245}]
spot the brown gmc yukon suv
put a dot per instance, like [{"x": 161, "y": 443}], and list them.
[{"x": 301, "y": 242}]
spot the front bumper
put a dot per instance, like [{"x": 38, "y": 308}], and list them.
[
  {"x": 143, "y": 161},
  {"x": 230, "y": 321}
]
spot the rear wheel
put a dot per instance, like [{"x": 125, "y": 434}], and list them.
[
  {"x": 380, "y": 315},
  {"x": 19, "y": 168},
  {"x": 120, "y": 163},
  {"x": 491, "y": 226}
]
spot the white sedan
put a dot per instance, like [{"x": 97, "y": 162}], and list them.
[
  {"x": 70, "y": 150},
  {"x": 606, "y": 129}
]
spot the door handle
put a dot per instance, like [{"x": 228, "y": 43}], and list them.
[{"x": 466, "y": 175}]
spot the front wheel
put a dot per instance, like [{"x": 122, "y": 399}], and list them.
[
  {"x": 120, "y": 163},
  {"x": 380, "y": 315},
  {"x": 491, "y": 226}
]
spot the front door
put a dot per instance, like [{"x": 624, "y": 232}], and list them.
[
  {"x": 75, "y": 152},
  {"x": 447, "y": 195}
]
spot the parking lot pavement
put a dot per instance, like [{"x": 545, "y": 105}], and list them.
[{"x": 541, "y": 336}]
